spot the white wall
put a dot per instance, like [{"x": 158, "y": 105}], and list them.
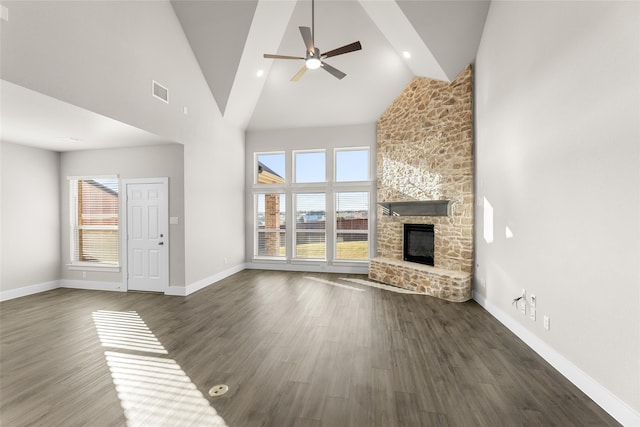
[
  {"x": 286, "y": 140},
  {"x": 30, "y": 216},
  {"x": 102, "y": 56},
  {"x": 558, "y": 159},
  {"x": 214, "y": 192},
  {"x": 136, "y": 162}
]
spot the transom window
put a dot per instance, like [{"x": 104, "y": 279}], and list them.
[
  {"x": 352, "y": 164},
  {"x": 270, "y": 168},
  {"x": 310, "y": 166}
]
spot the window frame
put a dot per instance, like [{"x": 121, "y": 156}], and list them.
[
  {"x": 330, "y": 187},
  {"x": 76, "y": 264},
  {"x": 324, "y": 231},
  {"x": 256, "y": 233},
  {"x": 336, "y": 230}
]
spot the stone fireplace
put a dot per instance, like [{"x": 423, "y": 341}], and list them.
[{"x": 425, "y": 176}]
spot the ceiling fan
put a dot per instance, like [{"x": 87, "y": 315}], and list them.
[{"x": 313, "y": 58}]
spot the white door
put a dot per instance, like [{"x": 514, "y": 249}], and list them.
[{"x": 147, "y": 236}]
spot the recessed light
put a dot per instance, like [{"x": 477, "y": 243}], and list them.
[
  {"x": 260, "y": 73},
  {"x": 406, "y": 54}
]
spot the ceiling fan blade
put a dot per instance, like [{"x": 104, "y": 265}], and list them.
[
  {"x": 344, "y": 49},
  {"x": 299, "y": 74},
  {"x": 336, "y": 73},
  {"x": 268, "y": 55},
  {"x": 308, "y": 39}
]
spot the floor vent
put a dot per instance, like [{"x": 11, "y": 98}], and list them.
[
  {"x": 160, "y": 92},
  {"x": 218, "y": 390}
]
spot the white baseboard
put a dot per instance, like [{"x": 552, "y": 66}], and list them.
[
  {"x": 92, "y": 286},
  {"x": 176, "y": 291},
  {"x": 203, "y": 283},
  {"x": 618, "y": 409},
  {"x": 29, "y": 290}
]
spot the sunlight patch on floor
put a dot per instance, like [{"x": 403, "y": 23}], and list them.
[
  {"x": 125, "y": 330},
  {"x": 153, "y": 390},
  {"x": 329, "y": 282},
  {"x": 381, "y": 286}
]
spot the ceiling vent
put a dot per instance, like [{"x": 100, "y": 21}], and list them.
[{"x": 160, "y": 92}]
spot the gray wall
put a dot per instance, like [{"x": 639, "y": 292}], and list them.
[
  {"x": 558, "y": 159},
  {"x": 136, "y": 162},
  {"x": 102, "y": 56},
  {"x": 30, "y": 224}
]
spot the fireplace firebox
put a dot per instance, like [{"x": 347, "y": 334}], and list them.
[{"x": 418, "y": 243}]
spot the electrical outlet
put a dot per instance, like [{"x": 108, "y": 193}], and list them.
[
  {"x": 532, "y": 313},
  {"x": 546, "y": 323},
  {"x": 225, "y": 261}
]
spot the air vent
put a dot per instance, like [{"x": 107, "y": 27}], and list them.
[{"x": 160, "y": 92}]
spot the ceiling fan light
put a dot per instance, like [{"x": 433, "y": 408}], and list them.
[{"x": 313, "y": 63}]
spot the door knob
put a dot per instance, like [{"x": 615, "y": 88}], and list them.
[{"x": 161, "y": 243}]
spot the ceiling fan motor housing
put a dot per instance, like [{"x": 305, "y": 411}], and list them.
[{"x": 312, "y": 61}]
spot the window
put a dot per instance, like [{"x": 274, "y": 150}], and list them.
[
  {"x": 352, "y": 226},
  {"x": 271, "y": 168},
  {"x": 326, "y": 217},
  {"x": 94, "y": 222},
  {"x": 270, "y": 226},
  {"x": 310, "y": 166},
  {"x": 352, "y": 165},
  {"x": 310, "y": 226}
]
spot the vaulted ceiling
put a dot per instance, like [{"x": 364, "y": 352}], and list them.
[{"x": 229, "y": 39}]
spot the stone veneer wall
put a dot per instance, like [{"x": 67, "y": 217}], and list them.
[{"x": 425, "y": 152}]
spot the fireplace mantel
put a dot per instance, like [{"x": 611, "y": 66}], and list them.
[{"x": 417, "y": 208}]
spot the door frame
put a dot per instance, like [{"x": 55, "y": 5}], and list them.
[{"x": 124, "y": 214}]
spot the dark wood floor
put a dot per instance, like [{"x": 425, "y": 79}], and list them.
[{"x": 293, "y": 351}]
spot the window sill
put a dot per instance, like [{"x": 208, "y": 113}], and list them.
[
  {"x": 308, "y": 261},
  {"x": 269, "y": 259},
  {"x": 351, "y": 261},
  {"x": 93, "y": 267}
]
